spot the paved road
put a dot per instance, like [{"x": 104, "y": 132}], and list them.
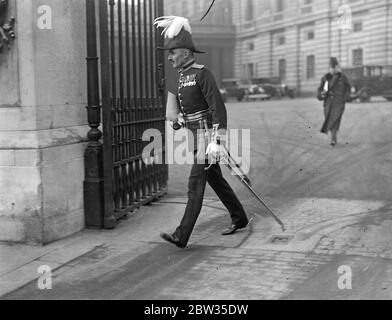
[
  {"x": 335, "y": 203},
  {"x": 290, "y": 157}
]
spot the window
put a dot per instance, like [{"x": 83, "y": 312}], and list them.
[
  {"x": 281, "y": 40},
  {"x": 250, "y": 70},
  {"x": 357, "y": 57},
  {"x": 307, "y": 6},
  {"x": 227, "y": 15},
  {"x": 279, "y": 5},
  {"x": 375, "y": 71},
  {"x": 251, "y": 46},
  {"x": 358, "y": 26},
  {"x": 282, "y": 69},
  {"x": 310, "y": 67},
  {"x": 221, "y": 15},
  {"x": 310, "y": 35},
  {"x": 249, "y": 16}
]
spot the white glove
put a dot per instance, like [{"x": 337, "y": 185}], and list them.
[
  {"x": 215, "y": 152},
  {"x": 178, "y": 123}
]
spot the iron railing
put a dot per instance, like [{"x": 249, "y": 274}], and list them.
[{"x": 132, "y": 98}]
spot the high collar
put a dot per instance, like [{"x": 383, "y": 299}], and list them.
[{"x": 187, "y": 66}]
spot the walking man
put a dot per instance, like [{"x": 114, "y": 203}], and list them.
[
  {"x": 334, "y": 90},
  {"x": 195, "y": 99}
]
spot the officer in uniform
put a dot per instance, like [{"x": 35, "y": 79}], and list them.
[{"x": 196, "y": 99}]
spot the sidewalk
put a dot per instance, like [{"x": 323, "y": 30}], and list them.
[
  {"x": 261, "y": 262},
  {"x": 140, "y": 231}
]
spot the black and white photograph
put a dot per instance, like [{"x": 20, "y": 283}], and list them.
[{"x": 196, "y": 156}]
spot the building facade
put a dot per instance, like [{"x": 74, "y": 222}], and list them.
[{"x": 294, "y": 39}]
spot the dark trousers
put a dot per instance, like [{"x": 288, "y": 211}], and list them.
[{"x": 196, "y": 187}]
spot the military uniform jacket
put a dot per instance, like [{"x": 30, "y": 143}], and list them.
[{"x": 198, "y": 96}]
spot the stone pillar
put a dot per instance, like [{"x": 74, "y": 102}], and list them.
[{"x": 43, "y": 122}]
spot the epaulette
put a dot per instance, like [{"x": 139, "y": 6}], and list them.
[{"x": 198, "y": 66}]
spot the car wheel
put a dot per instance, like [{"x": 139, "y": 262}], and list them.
[
  {"x": 388, "y": 98},
  {"x": 365, "y": 96}
]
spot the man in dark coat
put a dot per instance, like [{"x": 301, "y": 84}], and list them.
[
  {"x": 196, "y": 98},
  {"x": 334, "y": 90}
]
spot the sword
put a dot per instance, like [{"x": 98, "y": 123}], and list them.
[
  {"x": 245, "y": 177},
  {"x": 233, "y": 166},
  {"x": 247, "y": 185},
  {"x": 241, "y": 174},
  {"x": 212, "y": 3}
]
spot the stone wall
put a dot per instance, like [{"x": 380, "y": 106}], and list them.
[{"x": 43, "y": 122}]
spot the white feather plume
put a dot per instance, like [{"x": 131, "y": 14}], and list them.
[{"x": 172, "y": 25}]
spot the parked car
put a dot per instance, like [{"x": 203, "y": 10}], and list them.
[
  {"x": 273, "y": 90},
  {"x": 287, "y": 91},
  {"x": 235, "y": 88},
  {"x": 274, "y": 87},
  {"x": 261, "y": 81},
  {"x": 255, "y": 92},
  {"x": 369, "y": 81}
]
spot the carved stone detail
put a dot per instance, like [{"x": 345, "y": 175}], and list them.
[{"x": 6, "y": 26}]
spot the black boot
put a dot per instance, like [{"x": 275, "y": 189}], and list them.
[
  {"x": 334, "y": 139},
  {"x": 233, "y": 229},
  {"x": 172, "y": 239}
]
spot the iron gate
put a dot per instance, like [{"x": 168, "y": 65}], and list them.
[{"x": 132, "y": 96}]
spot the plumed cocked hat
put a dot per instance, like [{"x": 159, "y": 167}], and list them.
[{"x": 178, "y": 31}]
